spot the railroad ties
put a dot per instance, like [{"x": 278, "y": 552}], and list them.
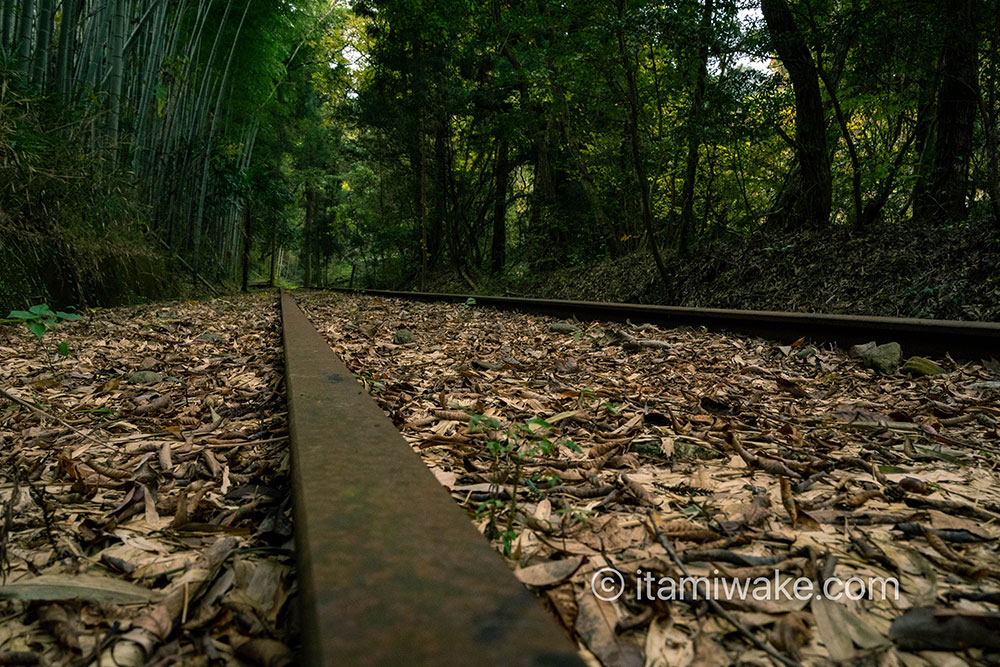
[{"x": 391, "y": 571}]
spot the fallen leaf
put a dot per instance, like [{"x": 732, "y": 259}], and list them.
[
  {"x": 595, "y": 623},
  {"x": 550, "y": 572},
  {"x": 72, "y": 586}
]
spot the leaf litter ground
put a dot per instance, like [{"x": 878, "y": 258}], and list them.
[
  {"x": 145, "y": 489},
  {"x": 582, "y": 446}
]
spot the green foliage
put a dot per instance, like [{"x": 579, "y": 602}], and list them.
[
  {"x": 509, "y": 449},
  {"x": 520, "y": 440},
  {"x": 441, "y": 88},
  {"x": 40, "y": 318},
  {"x": 393, "y": 139},
  {"x": 137, "y": 142}
]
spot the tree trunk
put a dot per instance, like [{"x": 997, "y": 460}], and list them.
[
  {"x": 632, "y": 92},
  {"x": 197, "y": 227},
  {"x": 7, "y": 27},
  {"x": 247, "y": 240},
  {"x": 706, "y": 214},
  {"x": 539, "y": 128},
  {"x": 988, "y": 109},
  {"x": 694, "y": 132},
  {"x": 116, "y": 47},
  {"x": 575, "y": 147},
  {"x": 958, "y": 99},
  {"x": 498, "y": 253},
  {"x": 436, "y": 237},
  {"x": 813, "y": 194},
  {"x": 923, "y": 138},
  {"x": 309, "y": 234},
  {"x": 873, "y": 207},
  {"x": 421, "y": 202},
  {"x": 543, "y": 192},
  {"x": 845, "y": 132},
  {"x": 24, "y": 37},
  {"x": 274, "y": 255}
]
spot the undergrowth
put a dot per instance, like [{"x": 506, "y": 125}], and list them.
[
  {"x": 72, "y": 230},
  {"x": 944, "y": 272}
]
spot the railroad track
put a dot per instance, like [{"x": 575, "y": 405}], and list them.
[
  {"x": 391, "y": 571},
  {"x": 963, "y": 340}
]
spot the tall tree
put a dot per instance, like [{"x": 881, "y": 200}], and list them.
[
  {"x": 694, "y": 132},
  {"x": 632, "y": 94},
  {"x": 116, "y": 56},
  {"x": 67, "y": 45},
  {"x": 957, "y": 102},
  {"x": 7, "y": 24},
  {"x": 498, "y": 249},
  {"x": 811, "y": 188},
  {"x": 990, "y": 115}
]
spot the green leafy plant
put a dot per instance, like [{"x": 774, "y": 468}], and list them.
[
  {"x": 539, "y": 483},
  {"x": 39, "y": 319},
  {"x": 491, "y": 510},
  {"x": 510, "y": 448}
]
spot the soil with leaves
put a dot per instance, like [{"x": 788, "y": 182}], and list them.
[
  {"x": 662, "y": 454},
  {"x": 145, "y": 489}
]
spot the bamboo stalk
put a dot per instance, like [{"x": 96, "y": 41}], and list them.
[
  {"x": 24, "y": 36},
  {"x": 7, "y": 26},
  {"x": 67, "y": 45},
  {"x": 115, "y": 57},
  {"x": 44, "y": 31}
]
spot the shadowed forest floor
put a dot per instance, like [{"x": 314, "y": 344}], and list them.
[
  {"x": 146, "y": 490},
  {"x": 148, "y": 512},
  {"x": 895, "y": 272}
]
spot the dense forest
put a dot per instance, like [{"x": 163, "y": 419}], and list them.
[{"x": 772, "y": 147}]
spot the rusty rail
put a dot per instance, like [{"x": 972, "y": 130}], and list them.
[
  {"x": 963, "y": 340},
  {"x": 391, "y": 571}
]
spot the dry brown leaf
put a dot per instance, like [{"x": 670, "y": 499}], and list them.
[{"x": 550, "y": 572}]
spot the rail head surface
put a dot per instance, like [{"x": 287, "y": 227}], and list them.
[
  {"x": 391, "y": 570},
  {"x": 961, "y": 339}
]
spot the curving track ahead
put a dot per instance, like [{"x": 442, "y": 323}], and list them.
[{"x": 961, "y": 339}]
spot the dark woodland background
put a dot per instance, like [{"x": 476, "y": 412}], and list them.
[{"x": 836, "y": 156}]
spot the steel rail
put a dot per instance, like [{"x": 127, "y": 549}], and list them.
[
  {"x": 963, "y": 340},
  {"x": 391, "y": 570}
]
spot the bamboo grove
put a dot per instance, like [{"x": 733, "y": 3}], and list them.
[{"x": 170, "y": 95}]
